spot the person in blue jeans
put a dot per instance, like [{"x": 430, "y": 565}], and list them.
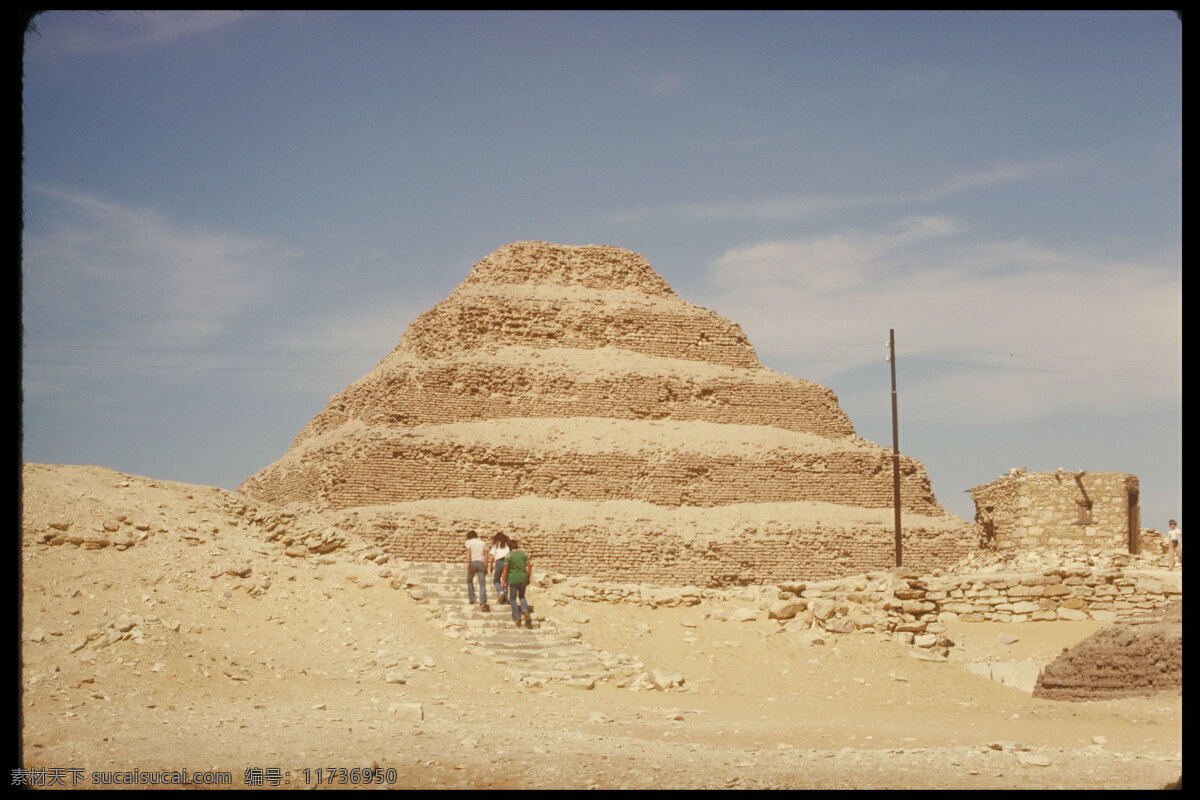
[
  {"x": 496, "y": 554},
  {"x": 476, "y": 566},
  {"x": 515, "y": 578}
]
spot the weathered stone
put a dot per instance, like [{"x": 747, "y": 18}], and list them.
[
  {"x": 786, "y": 609},
  {"x": 822, "y": 609},
  {"x": 661, "y": 679},
  {"x": 840, "y": 625},
  {"x": 405, "y": 712},
  {"x": 1136, "y": 657}
]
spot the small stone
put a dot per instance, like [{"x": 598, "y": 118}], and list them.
[
  {"x": 405, "y": 712},
  {"x": 1033, "y": 759}
]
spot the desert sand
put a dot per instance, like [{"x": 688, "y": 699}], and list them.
[{"x": 166, "y": 626}]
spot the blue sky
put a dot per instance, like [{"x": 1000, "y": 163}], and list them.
[{"x": 228, "y": 217}]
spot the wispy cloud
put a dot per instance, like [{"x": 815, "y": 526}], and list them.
[
  {"x": 1002, "y": 174},
  {"x": 801, "y": 300},
  {"x": 93, "y": 32},
  {"x": 794, "y": 208},
  {"x": 828, "y": 264},
  {"x": 134, "y": 276},
  {"x": 663, "y": 84}
]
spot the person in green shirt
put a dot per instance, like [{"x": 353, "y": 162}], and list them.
[{"x": 518, "y": 571}]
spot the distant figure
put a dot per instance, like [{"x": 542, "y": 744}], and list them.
[
  {"x": 516, "y": 576},
  {"x": 476, "y": 565},
  {"x": 496, "y": 555},
  {"x": 1175, "y": 542}
]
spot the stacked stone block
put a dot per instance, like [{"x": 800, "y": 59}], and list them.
[
  {"x": 669, "y": 406},
  {"x": 443, "y": 391},
  {"x": 1058, "y": 510},
  {"x": 381, "y": 469}
]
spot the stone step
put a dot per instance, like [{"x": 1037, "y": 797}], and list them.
[
  {"x": 537, "y": 652},
  {"x": 471, "y": 623},
  {"x": 546, "y": 654}
]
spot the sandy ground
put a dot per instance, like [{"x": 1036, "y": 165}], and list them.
[{"x": 202, "y": 646}]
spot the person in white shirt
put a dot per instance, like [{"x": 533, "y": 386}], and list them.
[
  {"x": 476, "y": 565},
  {"x": 1175, "y": 542}
]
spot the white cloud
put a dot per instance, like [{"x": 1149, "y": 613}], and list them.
[
  {"x": 92, "y": 32},
  {"x": 1005, "y": 173},
  {"x": 1092, "y": 323},
  {"x": 794, "y": 208},
  {"x": 133, "y": 277},
  {"x": 836, "y": 263},
  {"x": 664, "y": 83}
]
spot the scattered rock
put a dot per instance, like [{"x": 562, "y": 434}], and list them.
[{"x": 405, "y": 712}]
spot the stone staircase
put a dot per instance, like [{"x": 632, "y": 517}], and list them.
[{"x": 533, "y": 652}]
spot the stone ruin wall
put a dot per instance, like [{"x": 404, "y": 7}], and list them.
[
  {"x": 443, "y": 392},
  {"x": 397, "y": 471},
  {"x": 691, "y": 333},
  {"x": 650, "y": 554},
  {"x": 1057, "y": 510},
  {"x": 588, "y": 266},
  {"x": 914, "y": 609},
  {"x": 1141, "y": 655}
]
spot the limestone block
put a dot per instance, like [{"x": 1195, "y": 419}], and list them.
[
  {"x": 1072, "y": 614},
  {"x": 786, "y": 609},
  {"x": 822, "y": 608},
  {"x": 405, "y": 712},
  {"x": 917, "y": 607},
  {"x": 840, "y": 625}
]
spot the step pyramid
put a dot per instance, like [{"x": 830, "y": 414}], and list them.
[{"x": 568, "y": 396}]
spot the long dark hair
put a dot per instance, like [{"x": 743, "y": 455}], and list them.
[{"x": 500, "y": 539}]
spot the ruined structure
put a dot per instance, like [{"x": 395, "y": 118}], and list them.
[
  {"x": 567, "y": 396},
  {"x": 1137, "y": 656},
  {"x": 1059, "y": 510}
]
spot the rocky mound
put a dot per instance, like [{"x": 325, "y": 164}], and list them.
[
  {"x": 1138, "y": 656},
  {"x": 576, "y": 375}
]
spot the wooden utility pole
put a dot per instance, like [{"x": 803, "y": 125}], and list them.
[{"x": 895, "y": 446}]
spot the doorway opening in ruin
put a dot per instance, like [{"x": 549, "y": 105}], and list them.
[{"x": 1135, "y": 522}]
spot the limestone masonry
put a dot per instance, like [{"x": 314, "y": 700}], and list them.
[
  {"x": 1060, "y": 510},
  {"x": 566, "y": 395}
]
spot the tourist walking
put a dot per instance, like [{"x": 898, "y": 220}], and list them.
[
  {"x": 496, "y": 555},
  {"x": 476, "y": 565},
  {"x": 515, "y": 578},
  {"x": 1175, "y": 542}
]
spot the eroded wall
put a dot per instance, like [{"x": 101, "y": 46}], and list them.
[{"x": 1058, "y": 510}]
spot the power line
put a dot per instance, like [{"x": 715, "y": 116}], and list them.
[
  {"x": 1032, "y": 355},
  {"x": 1037, "y": 369}
]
